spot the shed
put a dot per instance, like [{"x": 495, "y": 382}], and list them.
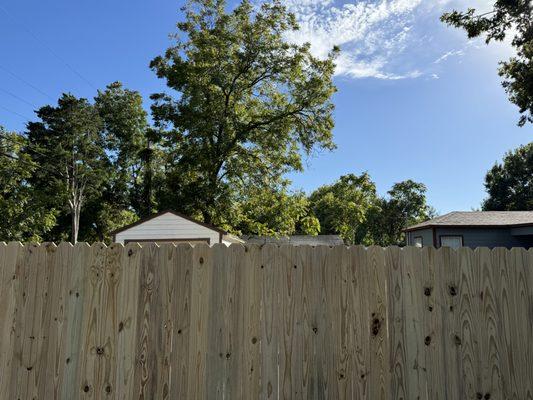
[{"x": 171, "y": 226}]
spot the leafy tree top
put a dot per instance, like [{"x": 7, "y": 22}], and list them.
[
  {"x": 248, "y": 102},
  {"x": 510, "y": 184},
  {"x": 508, "y": 17}
]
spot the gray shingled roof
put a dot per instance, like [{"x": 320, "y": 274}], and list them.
[
  {"x": 479, "y": 218},
  {"x": 297, "y": 240}
]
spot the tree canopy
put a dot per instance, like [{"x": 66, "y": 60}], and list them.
[
  {"x": 351, "y": 208},
  {"x": 246, "y": 104},
  {"x": 404, "y": 205},
  {"x": 510, "y": 184},
  {"x": 343, "y": 206},
  {"x": 22, "y": 215},
  {"x": 509, "y": 17}
]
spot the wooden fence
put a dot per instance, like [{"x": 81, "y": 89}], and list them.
[{"x": 170, "y": 322}]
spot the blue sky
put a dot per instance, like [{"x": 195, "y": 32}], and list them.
[{"x": 416, "y": 99}]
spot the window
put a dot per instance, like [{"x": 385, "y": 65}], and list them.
[
  {"x": 418, "y": 241},
  {"x": 451, "y": 241}
]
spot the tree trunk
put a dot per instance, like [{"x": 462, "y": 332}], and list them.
[
  {"x": 147, "y": 204},
  {"x": 75, "y": 211},
  {"x": 75, "y": 224}
]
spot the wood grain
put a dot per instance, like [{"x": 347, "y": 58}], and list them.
[{"x": 268, "y": 322}]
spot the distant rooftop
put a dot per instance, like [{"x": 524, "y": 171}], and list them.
[
  {"x": 479, "y": 219},
  {"x": 297, "y": 240}
]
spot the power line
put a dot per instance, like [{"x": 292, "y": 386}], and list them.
[
  {"x": 36, "y": 38},
  {"x": 18, "y": 98},
  {"x": 26, "y": 82},
  {"x": 14, "y": 112},
  {"x": 27, "y": 145}
]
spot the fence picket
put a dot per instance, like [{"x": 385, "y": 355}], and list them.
[{"x": 268, "y": 322}]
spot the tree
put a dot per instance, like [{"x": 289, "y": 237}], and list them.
[
  {"x": 272, "y": 211},
  {"x": 68, "y": 147},
  {"x": 248, "y": 104},
  {"x": 510, "y": 184},
  {"x": 343, "y": 206},
  {"x": 405, "y": 205},
  {"x": 22, "y": 217},
  {"x": 508, "y": 17},
  {"x": 129, "y": 145}
]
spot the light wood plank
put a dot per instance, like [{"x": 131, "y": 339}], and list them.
[{"x": 125, "y": 337}]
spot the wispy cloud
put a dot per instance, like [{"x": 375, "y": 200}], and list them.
[
  {"x": 375, "y": 36},
  {"x": 449, "y": 54}
]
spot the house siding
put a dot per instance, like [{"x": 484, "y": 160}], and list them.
[
  {"x": 426, "y": 234},
  {"x": 477, "y": 237},
  {"x": 167, "y": 226}
]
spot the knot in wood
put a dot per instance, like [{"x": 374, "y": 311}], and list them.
[
  {"x": 99, "y": 351},
  {"x": 452, "y": 290},
  {"x": 427, "y": 291},
  {"x": 376, "y": 326},
  {"x": 427, "y": 340}
]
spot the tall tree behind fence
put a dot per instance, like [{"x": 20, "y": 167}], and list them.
[{"x": 264, "y": 323}]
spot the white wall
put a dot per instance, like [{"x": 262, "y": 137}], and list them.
[{"x": 167, "y": 226}]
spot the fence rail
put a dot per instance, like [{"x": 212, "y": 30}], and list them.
[{"x": 250, "y": 322}]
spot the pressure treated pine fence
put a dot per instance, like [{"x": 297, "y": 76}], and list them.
[{"x": 170, "y": 322}]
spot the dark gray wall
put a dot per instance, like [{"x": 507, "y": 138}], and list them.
[
  {"x": 476, "y": 237},
  {"x": 426, "y": 234},
  {"x": 486, "y": 237}
]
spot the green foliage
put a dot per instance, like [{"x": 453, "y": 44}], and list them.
[
  {"x": 271, "y": 211},
  {"x": 68, "y": 147},
  {"x": 248, "y": 104},
  {"x": 404, "y": 206},
  {"x": 508, "y": 17},
  {"x": 91, "y": 163},
  {"x": 510, "y": 184},
  {"x": 351, "y": 208},
  {"x": 106, "y": 219},
  {"x": 125, "y": 132},
  {"x": 342, "y": 207},
  {"x": 22, "y": 217}
]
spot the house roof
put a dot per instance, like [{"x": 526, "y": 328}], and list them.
[
  {"x": 297, "y": 240},
  {"x": 212, "y": 227},
  {"x": 478, "y": 219}
]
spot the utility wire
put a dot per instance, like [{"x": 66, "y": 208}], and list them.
[
  {"x": 29, "y": 163},
  {"x": 14, "y": 112},
  {"x": 26, "y": 82},
  {"x": 18, "y": 98},
  {"x": 36, "y": 38},
  {"x": 28, "y": 145}
]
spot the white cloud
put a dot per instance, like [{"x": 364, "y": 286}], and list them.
[
  {"x": 449, "y": 54},
  {"x": 374, "y": 35}
]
